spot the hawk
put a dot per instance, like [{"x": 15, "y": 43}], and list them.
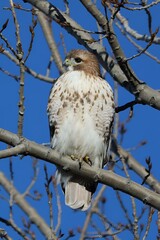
[{"x": 81, "y": 111}]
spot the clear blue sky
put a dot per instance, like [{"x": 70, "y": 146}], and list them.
[{"x": 143, "y": 126}]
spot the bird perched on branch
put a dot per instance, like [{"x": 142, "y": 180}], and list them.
[{"x": 81, "y": 111}]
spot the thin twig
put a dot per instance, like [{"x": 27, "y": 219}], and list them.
[
  {"x": 11, "y": 201},
  {"x": 33, "y": 181},
  {"x": 10, "y": 74},
  {"x": 49, "y": 195},
  {"x": 145, "y": 49},
  {"x": 135, "y": 223},
  {"x": 139, "y": 48},
  {"x": 92, "y": 209},
  {"x": 57, "y": 227},
  {"x": 151, "y": 212},
  {"x": 4, "y": 235},
  {"x": 14, "y": 226},
  {"x": 124, "y": 208},
  {"x": 27, "y": 69},
  {"x": 22, "y": 71},
  {"x": 132, "y": 32},
  {"x": 25, "y": 207},
  {"x": 127, "y": 105},
  {"x": 8, "y": 45},
  {"x": 158, "y": 223},
  {"x": 31, "y": 28}
]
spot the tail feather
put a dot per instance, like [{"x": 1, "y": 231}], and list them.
[{"x": 76, "y": 196}]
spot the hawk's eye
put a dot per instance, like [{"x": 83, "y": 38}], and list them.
[{"x": 78, "y": 60}]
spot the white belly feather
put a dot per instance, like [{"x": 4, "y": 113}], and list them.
[{"x": 82, "y": 110}]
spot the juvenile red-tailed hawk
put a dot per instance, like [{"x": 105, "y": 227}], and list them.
[{"x": 81, "y": 112}]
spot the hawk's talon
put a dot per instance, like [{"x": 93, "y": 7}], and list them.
[
  {"x": 73, "y": 157},
  {"x": 72, "y": 109},
  {"x": 80, "y": 164},
  {"x": 87, "y": 160}
]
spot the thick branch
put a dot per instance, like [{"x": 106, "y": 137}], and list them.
[
  {"x": 143, "y": 93},
  {"x": 138, "y": 168},
  {"x": 22, "y": 203},
  {"x": 95, "y": 174},
  {"x": 134, "y": 165},
  {"x": 47, "y": 30},
  {"x": 133, "y": 84}
]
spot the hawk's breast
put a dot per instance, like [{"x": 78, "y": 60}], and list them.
[{"x": 81, "y": 110}]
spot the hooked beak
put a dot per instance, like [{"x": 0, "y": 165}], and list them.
[{"x": 67, "y": 62}]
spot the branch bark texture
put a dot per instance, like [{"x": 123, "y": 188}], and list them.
[
  {"x": 22, "y": 203},
  {"x": 91, "y": 173},
  {"x": 123, "y": 75}
]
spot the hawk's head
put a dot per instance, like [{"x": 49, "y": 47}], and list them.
[{"x": 82, "y": 60}]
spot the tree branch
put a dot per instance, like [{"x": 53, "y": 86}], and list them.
[
  {"x": 22, "y": 203},
  {"x": 91, "y": 173},
  {"x": 133, "y": 84},
  {"x": 132, "y": 32},
  {"x": 142, "y": 92},
  {"x": 138, "y": 168},
  {"x": 27, "y": 69},
  {"x": 47, "y": 30}
]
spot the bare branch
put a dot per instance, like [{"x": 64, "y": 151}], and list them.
[
  {"x": 31, "y": 28},
  {"x": 57, "y": 227},
  {"x": 150, "y": 215},
  {"x": 139, "y": 48},
  {"x": 132, "y": 32},
  {"x": 4, "y": 235},
  {"x": 143, "y": 93},
  {"x": 27, "y": 69},
  {"x": 33, "y": 181},
  {"x": 46, "y": 27},
  {"x": 9, "y": 74},
  {"x": 91, "y": 211},
  {"x": 127, "y": 105},
  {"x": 50, "y": 196},
  {"x": 4, "y": 26},
  {"x": 22, "y": 203},
  {"x": 12, "y": 225},
  {"x": 106, "y": 177},
  {"x": 20, "y": 54},
  {"x": 15, "y": 151},
  {"x": 135, "y": 165}
]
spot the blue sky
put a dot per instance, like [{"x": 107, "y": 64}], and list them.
[{"x": 143, "y": 126}]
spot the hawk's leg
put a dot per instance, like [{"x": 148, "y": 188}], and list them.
[
  {"x": 87, "y": 160},
  {"x": 74, "y": 158},
  {"x": 80, "y": 160}
]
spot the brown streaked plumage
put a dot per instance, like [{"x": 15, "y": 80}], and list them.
[
  {"x": 89, "y": 62},
  {"x": 81, "y": 112}
]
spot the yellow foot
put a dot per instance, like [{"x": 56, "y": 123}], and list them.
[
  {"x": 74, "y": 158},
  {"x": 80, "y": 160},
  {"x": 87, "y": 160}
]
